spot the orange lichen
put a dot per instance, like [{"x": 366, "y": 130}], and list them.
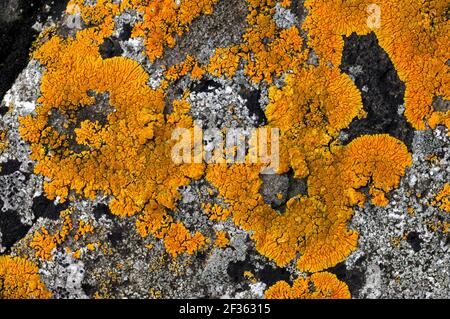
[
  {"x": 45, "y": 243},
  {"x": 91, "y": 247},
  {"x": 250, "y": 277},
  {"x": 315, "y": 226},
  {"x": 157, "y": 222},
  {"x": 96, "y": 14},
  {"x": 222, "y": 239},
  {"x": 127, "y": 154},
  {"x": 413, "y": 33},
  {"x": 442, "y": 200},
  {"x": 322, "y": 285},
  {"x": 83, "y": 229},
  {"x": 166, "y": 19},
  {"x": 225, "y": 61},
  {"x": 439, "y": 118},
  {"x": 77, "y": 254},
  {"x": 19, "y": 279},
  {"x": 310, "y": 111},
  {"x": 3, "y": 141},
  {"x": 118, "y": 157}
]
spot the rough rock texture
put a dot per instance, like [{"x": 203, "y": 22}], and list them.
[
  {"x": 20, "y": 23},
  {"x": 382, "y": 91},
  {"x": 403, "y": 251},
  {"x": 403, "y": 248}
]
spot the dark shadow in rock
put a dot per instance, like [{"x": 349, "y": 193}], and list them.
[
  {"x": 236, "y": 270},
  {"x": 88, "y": 289},
  {"x": 9, "y": 167},
  {"x": 11, "y": 228},
  {"x": 270, "y": 275},
  {"x": 3, "y": 110},
  {"x": 110, "y": 48},
  {"x": 116, "y": 235},
  {"x": 205, "y": 85},
  {"x": 126, "y": 32},
  {"x": 253, "y": 105},
  {"x": 354, "y": 278},
  {"x": 414, "y": 240},
  {"x": 17, "y": 18},
  {"x": 102, "y": 210},
  {"x": 381, "y": 89},
  {"x": 44, "y": 207}
]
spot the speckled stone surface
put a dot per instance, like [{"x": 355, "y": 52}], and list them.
[{"x": 402, "y": 251}]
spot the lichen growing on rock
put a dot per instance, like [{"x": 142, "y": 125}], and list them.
[
  {"x": 413, "y": 33},
  {"x": 19, "y": 279},
  {"x": 112, "y": 91},
  {"x": 320, "y": 285},
  {"x": 442, "y": 199},
  {"x": 316, "y": 225},
  {"x": 85, "y": 147}
]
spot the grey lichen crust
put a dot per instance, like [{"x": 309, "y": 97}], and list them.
[{"x": 402, "y": 251}]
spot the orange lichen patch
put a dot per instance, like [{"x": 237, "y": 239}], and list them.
[
  {"x": 310, "y": 111},
  {"x": 128, "y": 157},
  {"x": 166, "y": 19},
  {"x": 96, "y": 14},
  {"x": 267, "y": 61},
  {"x": 445, "y": 227},
  {"x": 315, "y": 97},
  {"x": 250, "y": 277},
  {"x": 92, "y": 247},
  {"x": 222, "y": 239},
  {"x": 77, "y": 254},
  {"x": 19, "y": 279},
  {"x": 328, "y": 21},
  {"x": 442, "y": 200},
  {"x": 413, "y": 33},
  {"x": 267, "y": 51},
  {"x": 315, "y": 226},
  {"x": 216, "y": 212},
  {"x": 377, "y": 161},
  {"x": 189, "y": 65},
  {"x": 322, "y": 285},
  {"x": 439, "y": 118},
  {"x": 157, "y": 222},
  {"x": 225, "y": 61},
  {"x": 3, "y": 141},
  {"x": 83, "y": 229},
  {"x": 179, "y": 240},
  {"x": 45, "y": 243},
  {"x": 131, "y": 153},
  {"x": 154, "y": 221}
]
